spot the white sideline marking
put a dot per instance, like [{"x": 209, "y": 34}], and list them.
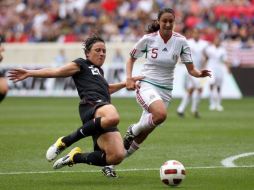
[
  {"x": 229, "y": 162},
  {"x": 120, "y": 170}
]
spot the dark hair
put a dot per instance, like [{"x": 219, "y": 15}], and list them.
[
  {"x": 88, "y": 43},
  {"x": 154, "y": 26}
]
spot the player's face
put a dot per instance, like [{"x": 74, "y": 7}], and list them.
[
  {"x": 97, "y": 54},
  {"x": 217, "y": 41},
  {"x": 166, "y": 23},
  {"x": 195, "y": 34}
]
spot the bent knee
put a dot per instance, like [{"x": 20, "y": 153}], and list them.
[
  {"x": 115, "y": 158},
  {"x": 159, "y": 117},
  {"x": 3, "y": 86},
  {"x": 112, "y": 120}
]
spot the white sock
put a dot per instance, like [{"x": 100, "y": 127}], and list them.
[
  {"x": 219, "y": 99},
  {"x": 111, "y": 166},
  {"x": 213, "y": 97},
  {"x": 145, "y": 121},
  {"x": 196, "y": 96},
  {"x": 185, "y": 101},
  {"x": 133, "y": 148}
]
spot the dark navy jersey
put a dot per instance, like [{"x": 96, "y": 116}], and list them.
[
  {"x": 1, "y": 73},
  {"x": 90, "y": 82}
]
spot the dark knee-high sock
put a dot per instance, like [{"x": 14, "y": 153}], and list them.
[
  {"x": 97, "y": 158},
  {"x": 88, "y": 129},
  {"x": 2, "y": 96}
]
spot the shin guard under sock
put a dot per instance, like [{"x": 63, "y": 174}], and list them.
[
  {"x": 97, "y": 158},
  {"x": 90, "y": 128}
]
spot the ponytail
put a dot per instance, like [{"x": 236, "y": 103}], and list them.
[{"x": 153, "y": 27}]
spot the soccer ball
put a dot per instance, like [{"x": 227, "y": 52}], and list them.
[{"x": 172, "y": 172}]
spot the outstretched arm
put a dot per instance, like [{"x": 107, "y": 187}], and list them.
[
  {"x": 115, "y": 87},
  {"x": 197, "y": 73},
  {"x": 63, "y": 71},
  {"x": 130, "y": 83},
  {"x": 118, "y": 86}
]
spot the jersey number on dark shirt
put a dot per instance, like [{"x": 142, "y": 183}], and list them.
[{"x": 94, "y": 70}]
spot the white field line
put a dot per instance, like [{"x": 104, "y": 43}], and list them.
[
  {"x": 229, "y": 162},
  {"x": 119, "y": 170}
]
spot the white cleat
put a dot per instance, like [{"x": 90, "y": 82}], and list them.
[
  {"x": 67, "y": 160},
  {"x": 55, "y": 149},
  {"x": 212, "y": 107},
  {"x": 219, "y": 108}
]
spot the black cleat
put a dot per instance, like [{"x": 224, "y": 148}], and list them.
[
  {"x": 109, "y": 172},
  {"x": 196, "y": 115},
  {"x": 128, "y": 138},
  {"x": 180, "y": 114}
]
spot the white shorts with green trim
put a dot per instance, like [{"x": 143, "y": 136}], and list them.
[{"x": 149, "y": 93}]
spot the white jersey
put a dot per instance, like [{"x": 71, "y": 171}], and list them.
[
  {"x": 216, "y": 58},
  {"x": 161, "y": 57},
  {"x": 197, "y": 51}
]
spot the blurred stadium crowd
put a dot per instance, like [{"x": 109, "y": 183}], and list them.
[{"x": 121, "y": 20}]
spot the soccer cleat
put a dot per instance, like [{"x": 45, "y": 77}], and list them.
[
  {"x": 109, "y": 171},
  {"x": 128, "y": 138},
  {"x": 219, "y": 108},
  {"x": 67, "y": 160},
  {"x": 180, "y": 114},
  {"x": 196, "y": 115},
  {"x": 212, "y": 107},
  {"x": 55, "y": 149}
]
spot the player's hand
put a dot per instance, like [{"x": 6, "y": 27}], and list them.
[
  {"x": 137, "y": 81},
  {"x": 131, "y": 83},
  {"x": 205, "y": 73},
  {"x": 17, "y": 74}
]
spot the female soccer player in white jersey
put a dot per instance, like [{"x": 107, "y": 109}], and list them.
[
  {"x": 162, "y": 47},
  {"x": 193, "y": 85},
  {"x": 217, "y": 56}
]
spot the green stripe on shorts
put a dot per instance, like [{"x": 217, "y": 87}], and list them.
[{"x": 158, "y": 85}]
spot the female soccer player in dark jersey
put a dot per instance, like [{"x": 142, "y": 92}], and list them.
[{"x": 100, "y": 118}]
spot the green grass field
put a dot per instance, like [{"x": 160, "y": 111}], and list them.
[{"x": 30, "y": 125}]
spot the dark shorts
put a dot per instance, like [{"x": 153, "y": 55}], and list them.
[
  {"x": 86, "y": 113},
  {"x": 1, "y": 74},
  {"x": 88, "y": 109},
  {"x": 2, "y": 96}
]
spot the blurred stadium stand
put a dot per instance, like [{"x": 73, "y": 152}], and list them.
[
  {"x": 120, "y": 20},
  {"x": 41, "y": 26}
]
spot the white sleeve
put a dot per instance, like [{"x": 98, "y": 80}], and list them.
[
  {"x": 139, "y": 48},
  {"x": 224, "y": 55},
  {"x": 205, "y": 46},
  {"x": 185, "y": 52}
]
